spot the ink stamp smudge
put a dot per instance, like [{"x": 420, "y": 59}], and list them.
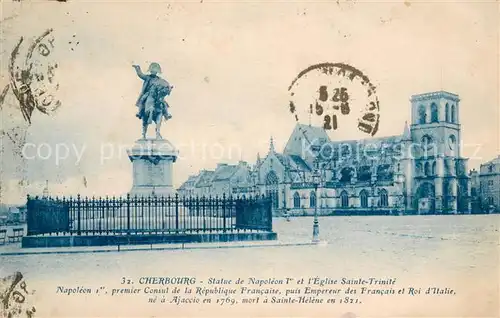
[
  {"x": 331, "y": 91},
  {"x": 32, "y": 80},
  {"x": 32, "y": 85},
  {"x": 14, "y": 297}
]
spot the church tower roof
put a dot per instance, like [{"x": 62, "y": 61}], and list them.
[
  {"x": 406, "y": 132},
  {"x": 271, "y": 145},
  {"x": 258, "y": 161}
]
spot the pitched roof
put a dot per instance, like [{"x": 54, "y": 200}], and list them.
[
  {"x": 305, "y": 133},
  {"x": 494, "y": 161},
  {"x": 189, "y": 182},
  {"x": 293, "y": 162},
  {"x": 361, "y": 149},
  {"x": 377, "y": 140},
  {"x": 205, "y": 178},
  {"x": 224, "y": 172},
  {"x": 183, "y": 185},
  {"x": 301, "y": 164},
  {"x": 312, "y": 132},
  {"x": 282, "y": 158}
]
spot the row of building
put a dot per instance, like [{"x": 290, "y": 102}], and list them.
[
  {"x": 419, "y": 171},
  {"x": 485, "y": 183},
  {"x": 12, "y": 214}
]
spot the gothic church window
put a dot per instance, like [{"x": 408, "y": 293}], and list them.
[
  {"x": 272, "y": 178},
  {"x": 384, "y": 173},
  {"x": 427, "y": 169},
  {"x": 346, "y": 174},
  {"x": 364, "y": 173},
  {"x": 296, "y": 200},
  {"x": 334, "y": 175},
  {"x": 447, "y": 113},
  {"x": 453, "y": 114},
  {"x": 271, "y": 188},
  {"x": 363, "y": 196},
  {"x": 419, "y": 169},
  {"x": 452, "y": 140},
  {"x": 346, "y": 151},
  {"x": 473, "y": 192},
  {"x": 384, "y": 198},
  {"x": 434, "y": 113},
  {"x": 422, "y": 115},
  {"x": 344, "y": 199},
  {"x": 312, "y": 199},
  {"x": 434, "y": 168}
]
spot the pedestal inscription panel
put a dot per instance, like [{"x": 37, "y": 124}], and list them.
[{"x": 152, "y": 161}]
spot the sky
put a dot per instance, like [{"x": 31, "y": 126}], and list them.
[{"x": 231, "y": 63}]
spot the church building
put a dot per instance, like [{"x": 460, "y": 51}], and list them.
[{"x": 419, "y": 171}]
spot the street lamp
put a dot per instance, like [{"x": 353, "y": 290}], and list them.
[{"x": 316, "y": 181}]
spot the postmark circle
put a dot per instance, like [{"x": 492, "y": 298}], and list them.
[
  {"x": 16, "y": 296},
  {"x": 33, "y": 80},
  {"x": 335, "y": 95}
]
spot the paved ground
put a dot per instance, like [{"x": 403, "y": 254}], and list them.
[{"x": 458, "y": 252}]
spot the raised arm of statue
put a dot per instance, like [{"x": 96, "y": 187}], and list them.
[{"x": 139, "y": 72}]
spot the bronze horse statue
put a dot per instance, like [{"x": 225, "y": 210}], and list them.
[{"x": 151, "y": 103}]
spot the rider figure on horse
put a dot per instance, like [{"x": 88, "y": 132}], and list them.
[{"x": 151, "y": 103}]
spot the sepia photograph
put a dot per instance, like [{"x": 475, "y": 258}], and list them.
[{"x": 333, "y": 158}]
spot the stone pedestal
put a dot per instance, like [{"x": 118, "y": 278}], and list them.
[{"x": 152, "y": 161}]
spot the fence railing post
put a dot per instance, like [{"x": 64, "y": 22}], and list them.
[
  {"x": 176, "y": 212},
  {"x": 203, "y": 206},
  {"x": 270, "y": 217},
  {"x": 200, "y": 214},
  {"x": 28, "y": 216},
  {"x": 128, "y": 213},
  {"x": 224, "y": 203},
  {"x": 78, "y": 215}
]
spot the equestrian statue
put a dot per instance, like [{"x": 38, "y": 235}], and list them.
[{"x": 151, "y": 104}]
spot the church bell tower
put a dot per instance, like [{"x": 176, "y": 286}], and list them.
[{"x": 436, "y": 137}]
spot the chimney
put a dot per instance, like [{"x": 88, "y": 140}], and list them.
[{"x": 242, "y": 163}]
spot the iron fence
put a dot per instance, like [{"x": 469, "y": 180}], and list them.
[{"x": 147, "y": 215}]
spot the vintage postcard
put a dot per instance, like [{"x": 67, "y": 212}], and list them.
[{"x": 249, "y": 158}]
